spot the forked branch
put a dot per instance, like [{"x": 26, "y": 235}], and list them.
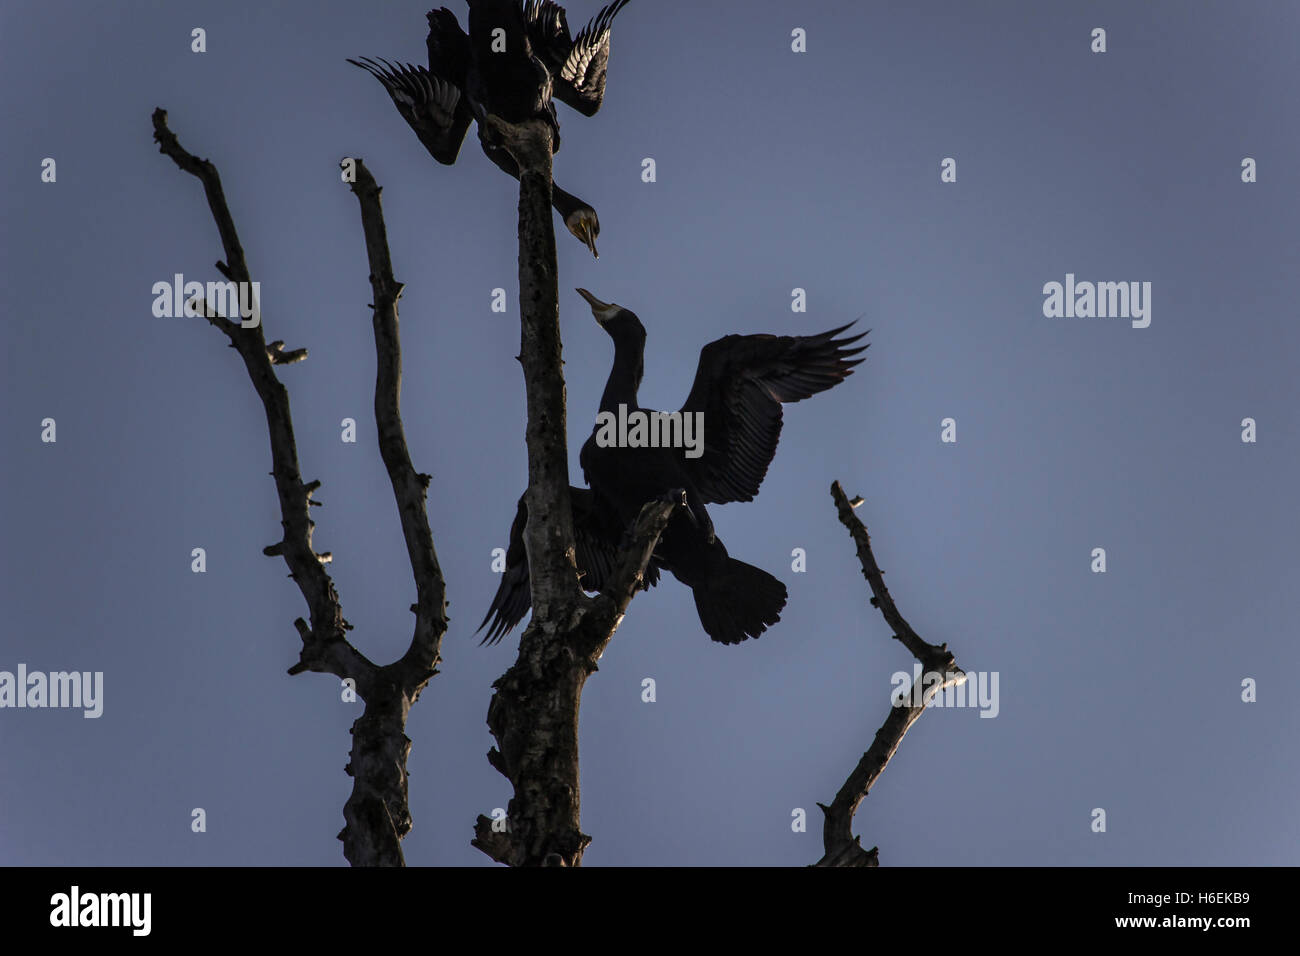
[
  {"x": 841, "y": 847},
  {"x": 377, "y": 811}
]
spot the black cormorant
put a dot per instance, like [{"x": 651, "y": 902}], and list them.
[
  {"x": 739, "y": 386},
  {"x": 596, "y": 546},
  {"x": 516, "y": 56}
]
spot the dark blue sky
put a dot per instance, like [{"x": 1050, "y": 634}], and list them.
[{"x": 775, "y": 170}]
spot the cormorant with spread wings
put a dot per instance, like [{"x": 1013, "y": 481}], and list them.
[
  {"x": 516, "y": 56},
  {"x": 740, "y": 384}
]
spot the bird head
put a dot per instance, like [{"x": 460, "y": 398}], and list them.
[
  {"x": 584, "y": 224},
  {"x": 613, "y": 318}
]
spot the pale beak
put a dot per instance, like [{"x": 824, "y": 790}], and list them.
[
  {"x": 597, "y": 307},
  {"x": 588, "y": 236}
]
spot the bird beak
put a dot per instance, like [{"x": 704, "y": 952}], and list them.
[
  {"x": 597, "y": 307},
  {"x": 588, "y": 236}
]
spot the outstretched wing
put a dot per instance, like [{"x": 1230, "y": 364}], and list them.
[
  {"x": 578, "y": 65},
  {"x": 596, "y": 552},
  {"x": 740, "y": 384},
  {"x": 548, "y": 32},
  {"x": 431, "y": 105}
]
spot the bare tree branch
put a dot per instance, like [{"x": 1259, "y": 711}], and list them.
[
  {"x": 418, "y": 664},
  {"x": 841, "y": 847},
  {"x": 548, "y": 535},
  {"x": 324, "y": 646},
  {"x": 534, "y": 712},
  {"x": 377, "y": 812}
]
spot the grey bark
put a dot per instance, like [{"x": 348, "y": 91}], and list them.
[
  {"x": 534, "y": 711},
  {"x": 377, "y": 813},
  {"x": 841, "y": 847}
]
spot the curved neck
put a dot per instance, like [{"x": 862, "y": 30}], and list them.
[
  {"x": 564, "y": 202},
  {"x": 624, "y": 377}
]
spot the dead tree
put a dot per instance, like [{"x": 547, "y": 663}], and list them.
[
  {"x": 377, "y": 813},
  {"x": 841, "y": 847},
  {"x": 534, "y": 711}
]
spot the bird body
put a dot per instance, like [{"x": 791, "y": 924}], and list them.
[
  {"x": 740, "y": 385},
  {"x": 504, "y": 77},
  {"x": 596, "y": 550},
  {"x": 515, "y": 57}
]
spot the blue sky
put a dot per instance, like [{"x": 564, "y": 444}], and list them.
[{"x": 775, "y": 170}]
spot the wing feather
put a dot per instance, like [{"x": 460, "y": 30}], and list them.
[
  {"x": 578, "y": 64},
  {"x": 740, "y": 385},
  {"x": 431, "y": 105}
]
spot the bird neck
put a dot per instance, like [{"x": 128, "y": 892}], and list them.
[
  {"x": 564, "y": 202},
  {"x": 624, "y": 377}
]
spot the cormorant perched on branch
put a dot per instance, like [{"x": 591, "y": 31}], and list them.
[
  {"x": 740, "y": 385},
  {"x": 596, "y": 547},
  {"x": 517, "y": 55}
]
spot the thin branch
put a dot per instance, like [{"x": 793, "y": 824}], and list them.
[
  {"x": 377, "y": 811},
  {"x": 325, "y": 647},
  {"x": 410, "y": 488},
  {"x": 629, "y": 571},
  {"x": 841, "y": 847}
]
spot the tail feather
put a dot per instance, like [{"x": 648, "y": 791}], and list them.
[
  {"x": 512, "y": 601},
  {"x": 739, "y": 602}
]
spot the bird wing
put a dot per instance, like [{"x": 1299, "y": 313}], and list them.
[
  {"x": 578, "y": 65},
  {"x": 740, "y": 384},
  {"x": 514, "y": 593},
  {"x": 448, "y": 45},
  {"x": 596, "y": 551},
  {"x": 431, "y": 106},
  {"x": 548, "y": 32}
]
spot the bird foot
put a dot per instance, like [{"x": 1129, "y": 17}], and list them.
[{"x": 700, "y": 518}]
